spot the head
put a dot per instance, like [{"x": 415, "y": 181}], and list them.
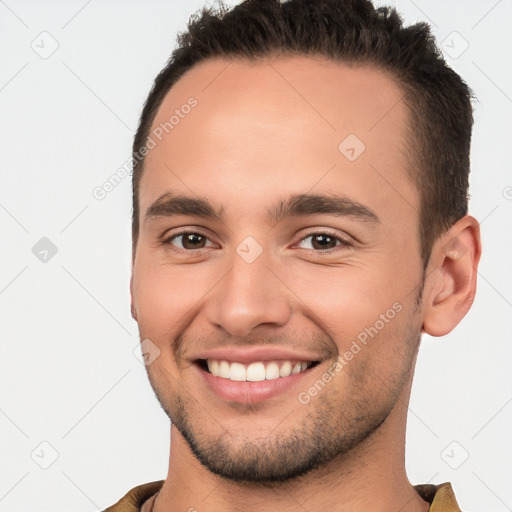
[{"x": 296, "y": 124}]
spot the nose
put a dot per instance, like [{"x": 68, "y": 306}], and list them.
[{"x": 247, "y": 296}]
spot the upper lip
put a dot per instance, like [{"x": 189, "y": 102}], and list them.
[{"x": 252, "y": 354}]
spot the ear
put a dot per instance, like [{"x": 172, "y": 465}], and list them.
[
  {"x": 132, "y": 307},
  {"x": 451, "y": 283}
]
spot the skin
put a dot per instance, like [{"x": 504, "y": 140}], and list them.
[{"x": 259, "y": 133}]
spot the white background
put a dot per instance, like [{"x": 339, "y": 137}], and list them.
[{"x": 68, "y": 375}]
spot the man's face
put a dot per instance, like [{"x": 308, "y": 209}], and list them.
[{"x": 336, "y": 289}]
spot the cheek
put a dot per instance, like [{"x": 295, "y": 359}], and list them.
[
  {"x": 166, "y": 295},
  {"x": 153, "y": 297},
  {"x": 376, "y": 361},
  {"x": 367, "y": 318},
  {"x": 163, "y": 296},
  {"x": 348, "y": 299}
]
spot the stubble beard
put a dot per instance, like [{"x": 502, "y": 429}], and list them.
[{"x": 329, "y": 431}]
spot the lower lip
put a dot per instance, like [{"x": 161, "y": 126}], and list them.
[{"x": 250, "y": 392}]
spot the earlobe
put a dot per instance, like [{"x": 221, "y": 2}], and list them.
[{"x": 452, "y": 277}]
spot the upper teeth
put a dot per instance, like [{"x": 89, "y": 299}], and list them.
[{"x": 256, "y": 371}]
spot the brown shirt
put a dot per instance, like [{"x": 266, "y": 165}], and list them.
[{"x": 440, "y": 497}]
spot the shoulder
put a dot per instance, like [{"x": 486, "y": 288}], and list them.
[
  {"x": 441, "y": 497},
  {"x": 133, "y": 499}
]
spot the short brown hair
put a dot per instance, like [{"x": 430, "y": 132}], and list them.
[{"x": 354, "y": 32}]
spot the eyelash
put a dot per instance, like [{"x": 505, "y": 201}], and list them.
[{"x": 344, "y": 244}]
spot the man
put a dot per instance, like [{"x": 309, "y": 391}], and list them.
[{"x": 299, "y": 220}]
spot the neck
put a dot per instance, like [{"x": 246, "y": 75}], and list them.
[{"x": 370, "y": 477}]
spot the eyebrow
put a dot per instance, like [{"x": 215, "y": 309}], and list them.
[{"x": 169, "y": 205}]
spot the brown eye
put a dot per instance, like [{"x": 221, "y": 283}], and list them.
[
  {"x": 190, "y": 240},
  {"x": 323, "y": 242}
]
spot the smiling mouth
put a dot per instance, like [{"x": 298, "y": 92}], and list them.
[{"x": 256, "y": 371}]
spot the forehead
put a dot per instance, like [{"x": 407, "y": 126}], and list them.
[{"x": 285, "y": 124}]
